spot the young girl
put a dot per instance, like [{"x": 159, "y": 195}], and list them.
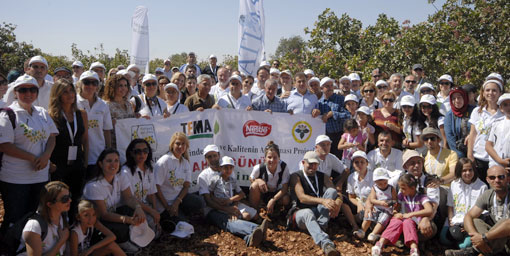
[
  {"x": 497, "y": 144},
  {"x": 383, "y": 196},
  {"x": 351, "y": 141},
  {"x": 461, "y": 197},
  {"x": 85, "y": 231},
  {"x": 415, "y": 206},
  {"x": 364, "y": 118}
]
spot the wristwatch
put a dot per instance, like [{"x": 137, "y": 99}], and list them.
[{"x": 484, "y": 238}]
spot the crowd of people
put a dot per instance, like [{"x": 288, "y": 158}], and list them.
[{"x": 403, "y": 159}]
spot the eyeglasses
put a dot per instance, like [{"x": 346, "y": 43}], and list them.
[
  {"x": 444, "y": 83},
  {"x": 389, "y": 100},
  {"x": 500, "y": 177},
  {"x": 431, "y": 138},
  {"x": 139, "y": 151},
  {"x": 151, "y": 84},
  {"x": 410, "y": 81},
  {"x": 64, "y": 199},
  {"x": 368, "y": 91},
  {"x": 3, "y": 82},
  {"x": 423, "y": 106},
  {"x": 91, "y": 82},
  {"x": 25, "y": 90}
]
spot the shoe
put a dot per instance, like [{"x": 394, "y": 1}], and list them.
[
  {"x": 414, "y": 252},
  {"x": 462, "y": 252},
  {"x": 399, "y": 244},
  {"x": 330, "y": 250},
  {"x": 256, "y": 237},
  {"x": 264, "y": 226},
  {"x": 376, "y": 249},
  {"x": 360, "y": 234},
  {"x": 129, "y": 248},
  {"x": 372, "y": 238}
]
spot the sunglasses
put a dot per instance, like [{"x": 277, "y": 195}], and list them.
[
  {"x": 376, "y": 76},
  {"x": 65, "y": 199},
  {"x": 139, "y": 151},
  {"x": 405, "y": 106},
  {"x": 425, "y": 91},
  {"x": 431, "y": 138},
  {"x": 3, "y": 82},
  {"x": 426, "y": 106},
  {"x": 382, "y": 87},
  {"x": 500, "y": 177},
  {"x": 25, "y": 90},
  {"x": 444, "y": 83},
  {"x": 151, "y": 84},
  {"x": 369, "y": 91},
  {"x": 389, "y": 100},
  {"x": 410, "y": 81},
  {"x": 91, "y": 82}
]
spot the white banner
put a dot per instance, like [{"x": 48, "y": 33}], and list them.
[
  {"x": 239, "y": 134},
  {"x": 251, "y": 35},
  {"x": 140, "y": 38}
]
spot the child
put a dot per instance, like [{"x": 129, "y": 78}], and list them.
[
  {"x": 497, "y": 144},
  {"x": 364, "y": 118},
  {"x": 383, "y": 196},
  {"x": 226, "y": 189},
  {"x": 351, "y": 141},
  {"x": 85, "y": 231},
  {"x": 461, "y": 197},
  {"x": 415, "y": 206}
]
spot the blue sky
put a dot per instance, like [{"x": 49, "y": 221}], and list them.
[{"x": 205, "y": 27}]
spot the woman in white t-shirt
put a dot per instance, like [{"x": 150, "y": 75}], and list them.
[
  {"x": 55, "y": 200},
  {"x": 27, "y": 139},
  {"x": 411, "y": 123},
  {"x": 148, "y": 104},
  {"x": 173, "y": 105}
]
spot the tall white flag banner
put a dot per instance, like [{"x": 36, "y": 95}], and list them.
[
  {"x": 140, "y": 38},
  {"x": 241, "y": 135},
  {"x": 251, "y": 35}
]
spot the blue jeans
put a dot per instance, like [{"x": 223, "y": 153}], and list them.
[
  {"x": 238, "y": 227},
  {"x": 315, "y": 219}
]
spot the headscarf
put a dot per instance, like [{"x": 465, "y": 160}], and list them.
[{"x": 459, "y": 111}]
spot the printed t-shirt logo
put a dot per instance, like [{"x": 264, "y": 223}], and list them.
[{"x": 254, "y": 128}]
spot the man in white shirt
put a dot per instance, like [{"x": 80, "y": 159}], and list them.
[
  {"x": 167, "y": 70},
  {"x": 386, "y": 157},
  {"x": 259, "y": 87},
  {"x": 302, "y": 101},
  {"x": 329, "y": 162},
  {"x": 396, "y": 87},
  {"x": 235, "y": 98},
  {"x": 221, "y": 88}
]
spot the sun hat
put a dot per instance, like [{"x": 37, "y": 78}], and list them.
[
  {"x": 430, "y": 131},
  {"x": 408, "y": 154}
]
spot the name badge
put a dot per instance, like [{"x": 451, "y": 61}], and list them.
[{"x": 72, "y": 153}]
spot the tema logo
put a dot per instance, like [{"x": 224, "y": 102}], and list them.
[
  {"x": 200, "y": 129},
  {"x": 254, "y": 128},
  {"x": 146, "y": 132},
  {"x": 301, "y": 131}
]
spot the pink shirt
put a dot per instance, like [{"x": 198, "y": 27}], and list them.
[{"x": 360, "y": 139}]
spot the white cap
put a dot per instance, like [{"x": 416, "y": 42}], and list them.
[
  {"x": 211, "y": 148},
  {"x": 123, "y": 72},
  {"x": 381, "y": 82},
  {"x": 25, "y": 79},
  {"x": 227, "y": 160},
  {"x": 505, "y": 96},
  {"x": 89, "y": 74},
  {"x": 354, "y": 77},
  {"x": 38, "y": 59},
  {"x": 286, "y": 72},
  {"x": 322, "y": 138},
  {"x": 493, "y": 81},
  {"x": 351, "y": 97},
  {"x": 131, "y": 66},
  {"x": 344, "y": 78},
  {"x": 364, "y": 109},
  {"x": 408, "y": 100},
  {"x": 494, "y": 76},
  {"x": 359, "y": 153},
  {"x": 77, "y": 63},
  {"x": 427, "y": 85},
  {"x": 148, "y": 77},
  {"x": 325, "y": 80},
  {"x": 97, "y": 64},
  {"x": 141, "y": 235},
  {"x": 274, "y": 70},
  {"x": 171, "y": 85},
  {"x": 427, "y": 98},
  {"x": 212, "y": 56},
  {"x": 380, "y": 174},
  {"x": 314, "y": 79},
  {"x": 167, "y": 60},
  {"x": 265, "y": 63},
  {"x": 158, "y": 69},
  {"x": 446, "y": 77},
  {"x": 235, "y": 77},
  {"x": 183, "y": 230},
  {"x": 309, "y": 72}
]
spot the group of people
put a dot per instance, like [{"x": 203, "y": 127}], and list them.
[{"x": 399, "y": 156}]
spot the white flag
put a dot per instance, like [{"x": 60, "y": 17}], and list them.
[
  {"x": 140, "y": 38},
  {"x": 251, "y": 35}
]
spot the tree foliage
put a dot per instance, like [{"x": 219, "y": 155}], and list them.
[{"x": 12, "y": 52}]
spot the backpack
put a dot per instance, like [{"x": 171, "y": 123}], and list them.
[
  {"x": 263, "y": 173},
  {"x": 12, "y": 118},
  {"x": 10, "y": 242}
]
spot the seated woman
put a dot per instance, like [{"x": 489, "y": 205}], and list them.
[
  {"x": 270, "y": 180},
  {"x": 107, "y": 189}
]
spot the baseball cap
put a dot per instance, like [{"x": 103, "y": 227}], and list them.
[
  {"x": 211, "y": 148},
  {"x": 89, "y": 74},
  {"x": 351, "y": 97},
  {"x": 77, "y": 63},
  {"x": 314, "y": 79},
  {"x": 493, "y": 81},
  {"x": 274, "y": 70},
  {"x": 212, "y": 56},
  {"x": 408, "y": 154},
  {"x": 227, "y": 160},
  {"x": 446, "y": 77},
  {"x": 494, "y": 75},
  {"x": 172, "y": 85},
  {"x": 158, "y": 69},
  {"x": 325, "y": 80},
  {"x": 286, "y": 72},
  {"x": 430, "y": 131},
  {"x": 25, "y": 79},
  {"x": 265, "y": 63},
  {"x": 408, "y": 100},
  {"x": 148, "y": 77},
  {"x": 38, "y": 59},
  {"x": 97, "y": 64},
  {"x": 427, "y": 98},
  {"x": 311, "y": 157},
  {"x": 417, "y": 66},
  {"x": 309, "y": 72},
  {"x": 364, "y": 109},
  {"x": 322, "y": 138},
  {"x": 505, "y": 96},
  {"x": 427, "y": 85},
  {"x": 344, "y": 78},
  {"x": 354, "y": 77},
  {"x": 381, "y": 82},
  {"x": 183, "y": 230},
  {"x": 235, "y": 77},
  {"x": 131, "y": 66},
  {"x": 62, "y": 69},
  {"x": 380, "y": 174},
  {"x": 141, "y": 235},
  {"x": 359, "y": 153}
]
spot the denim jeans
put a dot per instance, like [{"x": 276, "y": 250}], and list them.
[
  {"x": 315, "y": 219},
  {"x": 238, "y": 227}
]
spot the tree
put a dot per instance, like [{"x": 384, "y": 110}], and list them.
[
  {"x": 294, "y": 44},
  {"x": 178, "y": 59},
  {"x": 13, "y": 53},
  {"x": 230, "y": 60},
  {"x": 155, "y": 63}
]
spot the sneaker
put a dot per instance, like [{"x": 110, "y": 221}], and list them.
[
  {"x": 330, "y": 250},
  {"x": 129, "y": 248},
  {"x": 360, "y": 234},
  {"x": 376, "y": 249},
  {"x": 263, "y": 226},
  {"x": 462, "y": 252},
  {"x": 400, "y": 244},
  {"x": 414, "y": 252},
  {"x": 256, "y": 237},
  {"x": 372, "y": 238}
]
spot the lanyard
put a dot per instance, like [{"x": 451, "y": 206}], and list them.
[
  {"x": 316, "y": 192},
  {"x": 232, "y": 103},
  {"x": 72, "y": 134},
  {"x": 176, "y": 107},
  {"x": 411, "y": 203},
  {"x": 149, "y": 104},
  {"x": 141, "y": 182},
  {"x": 505, "y": 207}
]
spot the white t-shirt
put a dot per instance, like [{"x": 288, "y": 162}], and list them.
[
  {"x": 392, "y": 163},
  {"x": 272, "y": 179},
  {"x": 329, "y": 164},
  {"x": 227, "y": 100},
  {"x": 445, "y": 101},
  {"x": 217, "y": 92},
  {"x": 104, "y": 191},
  {"x": 483, "y": 124},
  {"x": 360, "y": 188},
  {"x": 376, "y": 104},
  {"x": 31, "y": 134},
  {"x": 99, "y": 120},
  {"x": 141, "y": 183},
  {"x": 84, "y": 240},
  {"x": 204, "y": 180},
  {"x": 43, "y": 97},
  {"x": 170, "y": 176},
  {"x": 49, "y": 241},
  {"x": 462, "y": 197},
  {"x": 177, "y": 108},
  {"x": 145, "y": 110},
  {"x": 500, "y": 137}
]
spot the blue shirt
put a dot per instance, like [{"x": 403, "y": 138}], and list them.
[
  {"x": 301, "y": 104},
  {"x": 182, "y": 69},
  {"x": 334, "y": 103},
  {"x": 452, "y": 126},
  {"x": 262, "y": 103}
]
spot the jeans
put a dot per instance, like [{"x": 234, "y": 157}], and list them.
[
  {"x": 237, "y": 227},
  {"x": 315, "y": 219}
]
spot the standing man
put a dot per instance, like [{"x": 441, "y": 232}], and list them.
[
  {"x": 262, "y": 76},
  {"x": 376, "y": 75},
  {"x": 268, "y": 101},
  {"x": 191, "y": 61},
  {"x": 410, "y": 87},
  {"x": 221, "y": 88},
  {"x": 396, "y": 87},
  {"x": 286, "y": 83},
  {"x": 419, "y": 74},
  {"x": 212, "y": 68},
  {"x": 302, "y": 101},
  {"x": 201, "y": 99},
  {"x": 345, "y": 86},
  {"x": 77, "y": 70},
  {"x": 167, "y": 69},
  {"x": 355, "y": 84}
]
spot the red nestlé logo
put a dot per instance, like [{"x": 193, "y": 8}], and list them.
[{"x": 254, "y": 128}]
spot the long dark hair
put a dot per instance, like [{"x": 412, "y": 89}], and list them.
[
  {"x": 460, "y": 165},
  {"x": 97, "y": 173},
  {"x": 434, "y": 116},
  {"x": 130, "y": 160}
]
